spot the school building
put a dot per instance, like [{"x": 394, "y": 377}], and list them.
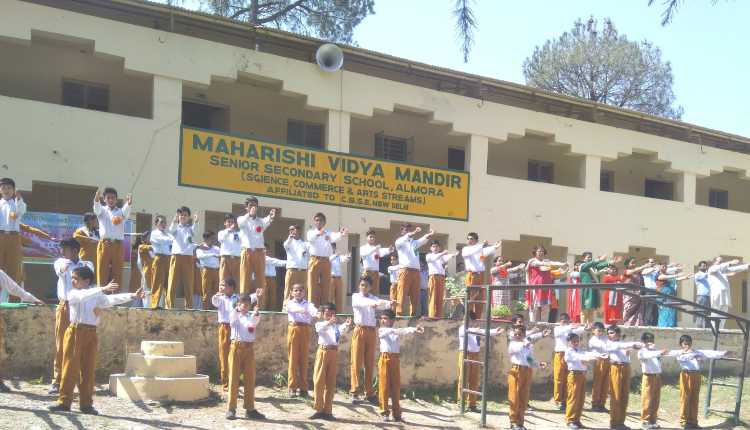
[{"x": 96, "y": 93}]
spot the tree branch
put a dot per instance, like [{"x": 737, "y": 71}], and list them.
[{"x": 280, "y": 13}]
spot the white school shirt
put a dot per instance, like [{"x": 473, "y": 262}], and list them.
[
  {"x": 64, "y": 269},
  {"x": 393, "y": 273},
  {"x": 371, "y": 255},
  {"x": 107, "y": 228},
  {"x": 473, "y": 337},
  {"x": 161, "y": 242},
  {"x": 330, "y": 334},
  {"x": 650, "y": 361},
  {"x": 271, "y": 265},
  {"x": 297, "y": 253},
  {"x": 521, "y": 353},
  {"x": 598, "y": 344},
  {"x": 336, "y": 260},
  {"x": 576, "y": 359},
  {"x": 690, "y": 361},
  {"x": 320, "y": 241},
  {"x": 362, "y": 310},
  {"x": 618, "y": 351},
  {"x": 208, "y": 258},
  {"x": 183, "y": 238},
  {"x": 230, "y": 242},
  {"x": 300, "y": 312},
  {"x": 389, "y": 338},
  {"x": 243, "y": 326},
  {"x": 225, "y": 304},
  {"x": 560, "y": 333},
  {"x": 8, "y": 284},
  {"x": 251, "y": 231},
  {"x": 17, "y": 207},
  {"x": 408, "y": 251},
  {"x": 474, "y": 255},
  {"x": 702, "y": 285},
  {"x": 83, "y": 302},
  {"x": 436, "y": 263}
]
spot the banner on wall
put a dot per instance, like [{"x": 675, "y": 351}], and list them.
[
  {"x": 38, "y": 248},
  {"x": 225, "y": 162}
]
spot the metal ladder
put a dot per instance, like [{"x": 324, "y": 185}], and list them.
[{"x": 487, "y": 303}]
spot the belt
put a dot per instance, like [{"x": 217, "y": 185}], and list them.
[
  {"x": 332, "y": 276},
  {"x": 10, "y": 233},
  {"x": 409, "y": 269},
  {"x": 242, "y": 343},
  {"x": 111, "y": 240},
  {"x": 82, "y": 325},
  {"x": 299, "y": 324},
  {"x": 652, "y": 374},
  {"x": 364, "y": 327},
  {"x": 690, "y": 371},
  {"x": 226, "y": 324},
  {"x": 577, "y": 371},
  {"x": 294, "y": 269},
  {"x": 614, "y": 363},
  {"x": 230, "y": 256},
  {"x": 390, "y": 354},
  {"x": 319, "y": 257},
  {"x": 329, "y": 347},
  {"x": 255, "y": 249},
  {"x": 438, "y": 275},
  {"x": 559, "y": 352},
  {"x": 518, "y": 366},
  {"x": 477, "y": 273}
]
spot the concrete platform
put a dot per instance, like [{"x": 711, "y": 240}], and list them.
[
  {"x": 162, "y": 347},
  {"x": 138, "y": 388},
  {"x": 160, "y": 365}
]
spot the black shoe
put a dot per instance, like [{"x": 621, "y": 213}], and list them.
[
  {"x": 89, "y": 410},
  {"x": 386, "y": 418},
  {"x": 292, "y": 393},
  {"x": 253, "y": 414},
  {"x": 54, "y": 389},
  {"x": 4, "y": 388},
  {"x": 59, "y": 407},
  {"x": 356, "y": 400},
  {"x": 573, "y": 426},
  {"x": 329, "y": 417},
  {"x": 230, "y": 415},
  {"x": 473, "y": 409},
  {"x": 303, "y": 394},
  {"x": 580, "y": 426},
  {"x": 317, "y": 416},
  {"x": 398, "y": 419},
  {"x": 373, "y": 400}
]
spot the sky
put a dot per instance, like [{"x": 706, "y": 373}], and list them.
[{"x": 707, "y": 45}]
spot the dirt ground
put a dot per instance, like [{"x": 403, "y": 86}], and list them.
[{"x": 26, "y": 408}]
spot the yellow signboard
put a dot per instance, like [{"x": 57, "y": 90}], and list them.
[{"x": 226, "y": 162}]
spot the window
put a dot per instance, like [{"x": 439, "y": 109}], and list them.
[
  {"x": 391, "y": 148},
  {"x": 202, "y": 115},
  {"x": 718, "y": 198},
  {"x": 659, "y": 189},
  {"x": 85, "y": 95},
  {"x": 305, "y": 134},
  {"x": 456, "y": 159},
  {"x": 607, "y": 180},
  {"x": 61, "y": 198},
  {"x": 541, "y": 171}
]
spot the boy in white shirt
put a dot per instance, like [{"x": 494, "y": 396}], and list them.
[
  {"x": 300, "y": 313},
  {"x": 371, "y": 253},
  {"x": 12, "y": 209},
  {"x": 64, "y": 267},
  {"x": 408, "y": 275},
  {"x": 364, "y": 339},
  {"x": 474, "y": 254},
  {"x": 319, "y": 270},
  {"x": 520, "y": 349},
  {"x": 576, "y": 378},
  {"x": 270, "y": 301},
  {"x": 324, "y": 372},
  {"x": 389, "y": 367},
  {"x": 242, "y": 358},
  {"x": 10, "y": 286},
  {"x": 230, "y": 246},
  {"x": 111, "y": 234},
  {"x": 690, "y": 377},
  {"x": 559, "y": 368},
  {"x": 161, "y": 242},
  {"x": 472, "y": 353},
  {"x": 253, "y": 260},
  {"x": 79, "y": 350},
  {"x": 208, "y": 255},
  {"x": 600, "y": 380},
  {"x": 619, "y": 376},
  {"x": 393, "y": 270},
  {"x": 436, "y": 260},
  {"x": 297, "y": 255},
  {"x": 650, "y": 380},
  {"x": 337, "y": 294},
  {"x": 181, "y": 265}
]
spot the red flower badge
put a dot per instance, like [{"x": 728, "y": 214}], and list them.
[
  {"x": 250, "y": 328},
  {"x": 377, "y": 256},
  {"x": 258, "y": 229}
]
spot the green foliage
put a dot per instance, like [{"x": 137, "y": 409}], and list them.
[
  {"x": 501, "y": 311},
  {"x": 279, "y": 380},
  {"x": 601, "y": 65},
  {"x": 455, "y": 285}
]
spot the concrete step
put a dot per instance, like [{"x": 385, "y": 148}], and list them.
[
  {"x": 160, "y": 365},
  {"x": 162, "y": 347},
  {"x": 137, "y": 388}
]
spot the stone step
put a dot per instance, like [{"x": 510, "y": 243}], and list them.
[
  {"x": 137, "y": 388},
  {"x": 163, "y": 347},
  {"x": 160, "y": 365}
]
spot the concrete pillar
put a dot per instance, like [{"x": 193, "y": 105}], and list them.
[
  {"x": 338, "y": 131},
  {"x": 685, "y": 188},
  {"x": 167, "y": 100},
  {"x": 591, "y": 172},
  {"x": 478, "y": 153}
]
